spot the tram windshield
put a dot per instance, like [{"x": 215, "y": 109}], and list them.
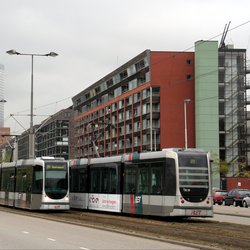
[
  {"x": 56, "y": 180},
  {"x": 193, "y": 176}
]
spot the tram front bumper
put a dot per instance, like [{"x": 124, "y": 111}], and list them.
[
  {"x": 55, "y": 206},
  {"x": 192, "y": 212}
]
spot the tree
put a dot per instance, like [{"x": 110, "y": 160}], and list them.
[{"x": 223, "y": 168}]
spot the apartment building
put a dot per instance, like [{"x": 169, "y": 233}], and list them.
[
  {"x": 53, "y": 135},
  {"x": 137, "y": 107},
  {"x": 141, "y": 106}
]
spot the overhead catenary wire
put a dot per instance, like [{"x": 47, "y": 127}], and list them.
[{"x": 159, "y": 61}]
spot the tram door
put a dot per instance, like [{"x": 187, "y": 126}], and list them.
[
  {"x": 136, "y": 189},
  {"x": 10, "y": 189},
  {"x": 23, "y": 187}
]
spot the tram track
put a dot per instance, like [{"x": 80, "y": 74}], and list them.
[{"x": 205, "y": 234}]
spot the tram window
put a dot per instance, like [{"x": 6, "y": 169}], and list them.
[
  {"x": 156, "y": 180},
  {"x": 7, "y": 180},
  {"x": 78, "y": 180},
  {"x": 11, "y": 182},
  {"x": 74, "y": 185},
  {"x": 113, "y": 181},
  {"x": 170, "y": 177},
  {"x": 130, "y": 179},
  {"x": 83, "y": 180},
  {"x": 95, "y": 181},
  {"x": 21, "y": 183},
  {"x": 37, "y": 180},
  {"x": 3, "y": 181},
  {"x": 105, "y": 180},
  {"x": 143, "y": 180}
]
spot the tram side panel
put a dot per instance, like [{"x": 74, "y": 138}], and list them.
[
  {"x": 96, "y": 184},
  {"x": 79, "y": 186},
  {"x": 104, "y": 187},
  {"x": 23, "y": 192},
  {"x": 150, "y": 187}
]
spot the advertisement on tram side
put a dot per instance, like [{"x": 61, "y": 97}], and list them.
[{"x": 105, "y": 202}]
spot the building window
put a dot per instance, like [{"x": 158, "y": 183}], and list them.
[
  {"x": 97, "y": 89},
  {"x": 140, "y": 65},
  {"x": 111, "y": 95},
  {"x": 221, "y": 61},
  {"x": 128, "y": 100},
  {"x": 78, "y": 101},
  {"x": 141, "y": 79},
  {"x": 123, "y": 74},
  {"x": 221, "y": 108},
  {"x": 221, "y": 76},
  {"x": 118, "y": 91},
  {"x": 189, "y": 77},
  {"x": 189, "y": 61},
  {"x": 110, "y": 82},
  {"x": 87, "y": 96},
  {"x": 124, "y": 88},
  {"x": 121, "y": 104}
]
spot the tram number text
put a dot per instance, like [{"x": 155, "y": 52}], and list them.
[{"x": 196, "y": 212}]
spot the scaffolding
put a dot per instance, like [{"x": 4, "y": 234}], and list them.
[{"x": 233, "y": 122}]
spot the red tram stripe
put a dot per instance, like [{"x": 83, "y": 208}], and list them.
[{"x": 132, "y": 205}]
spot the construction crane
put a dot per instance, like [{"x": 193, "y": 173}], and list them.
[{"x": 224, "y": 34}]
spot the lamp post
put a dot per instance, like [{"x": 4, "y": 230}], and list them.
[
  {"x": 31, "y": 134},
  {"x": 94, "y": 138},
  {"x": 186, "y": 101}
]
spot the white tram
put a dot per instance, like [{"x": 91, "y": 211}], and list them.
[
  {"x": 171, "y": 182},
  {"x": 35, "y": 184}
]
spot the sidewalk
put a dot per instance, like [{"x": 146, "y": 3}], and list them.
[{"x": 231, "y": 210}]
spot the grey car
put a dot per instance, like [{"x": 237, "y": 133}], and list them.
[{"x": 246, "y": 201}]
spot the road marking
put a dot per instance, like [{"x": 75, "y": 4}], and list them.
[
  {"x": 25, "y": 232},
  {"x": 51, "y": 239},
  {"x": 84, "y": 248}
]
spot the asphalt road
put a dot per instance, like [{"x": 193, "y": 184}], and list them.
[
  {"x": 231, "y": 214},
  {"x": 231, "y": 210},
  {"x": 23, "y": 232}
]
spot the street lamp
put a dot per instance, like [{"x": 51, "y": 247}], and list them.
[
  {"x": 186, "y": 101},
  {"x": 31, "y": 134}
]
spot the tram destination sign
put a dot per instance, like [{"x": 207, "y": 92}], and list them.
[{"x": 55, "y": 166}]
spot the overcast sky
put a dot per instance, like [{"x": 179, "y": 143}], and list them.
[{"x": 94, "y": 37}]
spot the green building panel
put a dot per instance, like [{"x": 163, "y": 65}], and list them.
[{"x": 206, "y": 102}]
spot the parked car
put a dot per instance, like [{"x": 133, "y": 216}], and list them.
[
  {"x": 246, "y": 201},
  {"x": 235, "y": 197},
  {"x": 218, "y": 196}
]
